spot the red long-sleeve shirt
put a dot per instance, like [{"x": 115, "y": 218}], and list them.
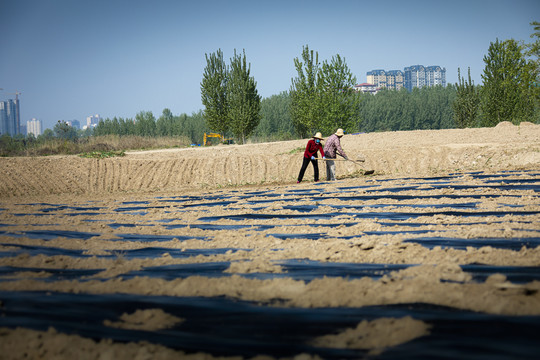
[{"x": 311, "y": 149}]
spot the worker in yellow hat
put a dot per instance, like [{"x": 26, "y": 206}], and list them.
[
  {"x": 310, "y": 155},
  {"x": 331, "y": 148}
]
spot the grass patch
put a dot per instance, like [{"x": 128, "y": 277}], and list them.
[
  {"x": 94, "y": 146},
  {"x": 295, "y": 151}
]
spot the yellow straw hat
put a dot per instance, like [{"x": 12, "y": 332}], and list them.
[
  {"x": 339, "y": 132},
  {"x": 318, "y": 136}
]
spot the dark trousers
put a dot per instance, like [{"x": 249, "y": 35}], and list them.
[{"x": 304, "y": 167}]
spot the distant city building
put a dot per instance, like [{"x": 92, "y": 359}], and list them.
[
  {"x": 420, "y": 76},
  {"x": 415, "y": 76},
  {"x": 435, "y": 75},
  {"x": 411, "y": 77},
  {"x": 392, "y": 79},
  {"x": 92, "y": 121},
  {"x": 377, "y": 78},
  {"x": 74, "y": 123},
  {"x": 35, "y": 127},
  {"x": 367, "y": 88},
  {"x": 9, "y": 117}
]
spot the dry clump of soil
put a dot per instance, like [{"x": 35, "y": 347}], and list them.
[
  {"x": 149, "y": 319},
  {"x": 376, "y": 335}
]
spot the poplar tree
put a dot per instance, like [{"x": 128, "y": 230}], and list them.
[
  {"x": 243, "y": 100},
  {"x": 339, "y": 105},
  {"x": 507, "y": 90},
  {"x": 145, "y": 124},
  {"x": 165, "y": 123},
  {"x": 305, "y": 93},
  {"x": 467, "y": 102},
  {"x": 214, "y": 92},
  {"x": 533, "y": 51}
]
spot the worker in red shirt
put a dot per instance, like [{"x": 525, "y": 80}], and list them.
[{"x": 310, "y": 155}]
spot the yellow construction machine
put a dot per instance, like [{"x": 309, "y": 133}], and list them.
[{"x": 214, "y": 135}]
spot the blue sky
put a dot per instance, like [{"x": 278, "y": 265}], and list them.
[{"x": 74, "y": 58}]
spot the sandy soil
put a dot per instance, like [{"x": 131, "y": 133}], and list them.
[
  {"x": 248, "y": 175},
  {"x": 416, "y": 153}
]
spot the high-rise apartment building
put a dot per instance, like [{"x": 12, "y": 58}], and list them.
[
  {"x": 92, "y": 121},
  {"x": 420, "y": 76},
  {"x": 411, "y": 77},
  {"x": 415, "y": 76},
  {"x": 435, "y": 75},
  {"x": 377, "y": 78},
  {"x": 392, "y": 79},
  {"x": 35, "y": 127},
  {"x": 9, "y": 117}
]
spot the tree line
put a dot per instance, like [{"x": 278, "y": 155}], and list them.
[{"x": 145, "y": 124}]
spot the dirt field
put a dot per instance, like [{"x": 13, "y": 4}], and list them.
[
  {"x": 217, "y": 252},
  {"x": 411, "y": 153}
]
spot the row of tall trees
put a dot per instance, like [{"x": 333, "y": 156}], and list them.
[
  {"x": 388, "y": 110},
  {"x": 276, "y": 123},
  {"x": 230, "y": 97},
  {"x": 391, "y": 110},
  {"x": 145, "y": 124}
]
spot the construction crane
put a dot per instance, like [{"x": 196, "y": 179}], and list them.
[{"x": 16, "y": 93}]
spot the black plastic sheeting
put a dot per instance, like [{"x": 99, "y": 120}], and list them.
[
  {"x": 304, "y": 270},
  {"x": 50, "y": 234},
  {"x": 54, "y": 234},
  {"x": 364, "y": 215},
  {"x": 456, "y": 243},
  {"x": 225, "y": 327},
  {"x": 143, "y": 253},
  {"x": 148, "y": 238},
  {"x": 53, "y": 274},
  {"x": 514, "y": 274}
]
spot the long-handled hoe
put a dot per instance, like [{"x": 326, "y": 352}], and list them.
[{"x": 357, "y": 162}]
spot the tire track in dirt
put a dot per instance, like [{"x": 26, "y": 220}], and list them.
[
  {"x": 104, "y": 174},
  {"x": 153, "y": 180},
  {"x": 188, "y": 174},
  {"x": 142, "y": 168},
  {"x": 169, "y": 174}
]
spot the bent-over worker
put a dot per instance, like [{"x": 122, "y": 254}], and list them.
[
  {"x": 310, "y": 155},
  {"x": 331, "y": 148}
]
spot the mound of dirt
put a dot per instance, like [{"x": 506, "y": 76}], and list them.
[{"x": 414, "y": 153}]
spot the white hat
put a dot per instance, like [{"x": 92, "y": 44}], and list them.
[
  {"x": 339, "y": 132},
  {"x": 318, "y": 136}
]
